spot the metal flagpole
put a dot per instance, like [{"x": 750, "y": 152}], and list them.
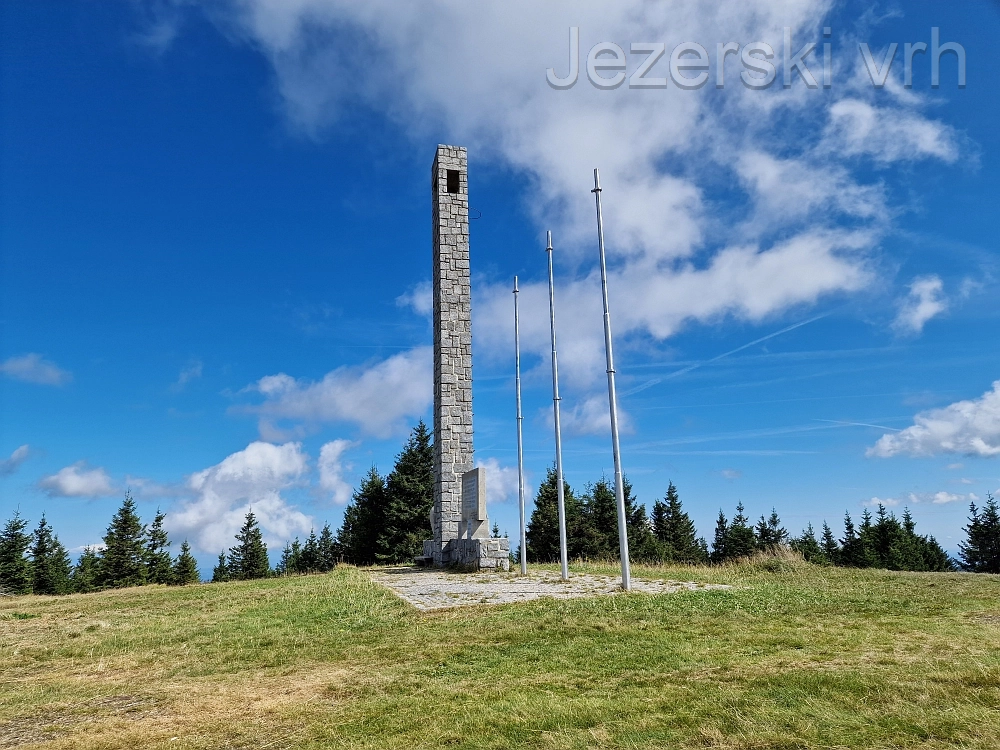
[
  {"x": 612, "y": 399},
  {"x": 520, "y": 449},
  {"x": 563, "y": 556}
]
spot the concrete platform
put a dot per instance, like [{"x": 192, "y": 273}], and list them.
[{"x": 429, "y": 589}]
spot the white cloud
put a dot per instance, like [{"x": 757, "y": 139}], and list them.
[
  {"x": 888, "y": 134},
  {"x": 955, "y": 467},
  {"x": 331, "y": 471},
  {"x": 889, "y": 502},
  {"x": 798, "y": 188},
  {"x": 731, "y": 474},
  {"x": 940, "y": 498},
  {"x": 420, "y": 299},
  {"x": 924, "y": 301},
  {"x": 249, "y": 479},
  {"x": 191, "y": 372},
  {"x": 162, "y": 24},
  {"x": 914, "y": 498},
  {"x": 589, "y": 416},
  {"x": 99, "y": 546},
  {"x": 970, "y": 428},
  {"x": 32, "y": 368},
  {"x": 78, "y": 481},
  {"x": 378, "y": 398},
  {"x": 969, "y": 287},
  {"x": 747, "y": 282},
  {"x": 9, "y": 465},
  {"x": 501, "y": 481}
]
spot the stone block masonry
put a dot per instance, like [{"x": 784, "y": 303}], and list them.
[
  {"x": 453, "y": 450},
  {"x": 452, "y": 307}
]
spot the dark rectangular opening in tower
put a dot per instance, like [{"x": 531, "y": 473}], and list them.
[{"x": 453, "y": 181}]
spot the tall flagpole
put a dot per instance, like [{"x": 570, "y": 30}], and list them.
[
  {"x": 520, "y": 449},
  {"x": 612, "y": 399},
  {"x": 563, "y": 556}
]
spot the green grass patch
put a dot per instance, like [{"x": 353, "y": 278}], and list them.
[{"x": 793, "y": 656}]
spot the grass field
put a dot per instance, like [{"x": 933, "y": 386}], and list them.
[{"x": 793, "y": 656}]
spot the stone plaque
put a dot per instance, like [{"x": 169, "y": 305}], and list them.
[{"x": 474, "y": 495}]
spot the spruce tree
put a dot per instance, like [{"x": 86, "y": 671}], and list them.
[
  {"x": 867, "y": 556},
  {"x": 50, "y": 564},
  {"x": 679, "y": 531},
  {"x": 62, "y": 567},
  {"x": 905, "y": 546},
  {"x": 309, "y": 561},
  {"x": 808, "y": 546},
  {"x": 641, "y": 542},
  {"x": 295, "y": 564},
  {"x": 762, "y": 533},
  {"x": 594, "y": 533},
  {"x": 363, "y": 520},
  {"x": 185, "y": 568},
  {"x": 42, "y": 574},
  {"x": 283, "y": 568},
  {"x": 980, "y": 552},
  {"x": 543, "y": 526},
  {"x": 720, "y": 544},
  {"x": 159, "y": 566},
  {"x": 934, "y": 556},
  {"x": 831, "y": 550},
  {"x": 849, "y": 545},
  {"x": 15, "y": 570},
  {"x": 740, "y": 539},
  {"x": 658, "y": 520},
  {"x": 675, "y": 531},
  {"x": 409, "y": 499},
  {"x": 220, "y": 573},
  {"x": 327, "y": 549},
  {"x": 889, "y": 544},
  {"x": 123, "y": 559},
  {"x": 248, "y": 557},
  {"x": 769, "y": 532},
  {"x": 84, "y": 575}
]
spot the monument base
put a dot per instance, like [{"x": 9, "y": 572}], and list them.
[{"x": 470, "y": 554}]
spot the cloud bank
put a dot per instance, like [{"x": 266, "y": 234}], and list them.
[
  {"x": 799, "y": 222},
  {"x": 253, "y": 478},
  {"x": 719, "y": 203},
  {"x": 971, "y": 428}
]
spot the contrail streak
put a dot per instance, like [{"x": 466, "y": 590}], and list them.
[
  {"x": 689, "y": 368},
  {"x": 860, "y": 424}
]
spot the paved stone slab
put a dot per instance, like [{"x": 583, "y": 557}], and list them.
[{"x": 437, "y": 589}]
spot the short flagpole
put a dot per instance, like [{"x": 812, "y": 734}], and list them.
[{"x": 520, "y": 449}]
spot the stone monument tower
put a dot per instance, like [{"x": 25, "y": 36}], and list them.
[{"x": 458, "y": 519}]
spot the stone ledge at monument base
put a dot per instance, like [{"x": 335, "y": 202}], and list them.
[{"x": 471, "y": 554}]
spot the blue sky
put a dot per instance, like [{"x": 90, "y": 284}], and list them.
[{"x": 214, "y": 226}]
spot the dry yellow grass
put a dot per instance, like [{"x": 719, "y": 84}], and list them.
[{"x": 793, "y": 656}]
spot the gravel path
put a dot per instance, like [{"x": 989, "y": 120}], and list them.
[{"x": 437, "y": 589}]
